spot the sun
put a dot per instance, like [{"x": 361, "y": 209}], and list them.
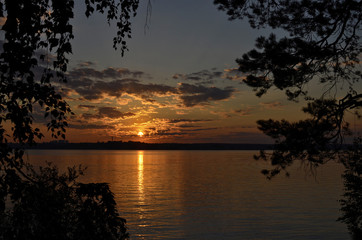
[{"x": 140, "y": 134}]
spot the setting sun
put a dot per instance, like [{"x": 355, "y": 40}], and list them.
[{"x": 140, "y": 134}]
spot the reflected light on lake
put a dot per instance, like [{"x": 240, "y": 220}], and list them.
[
  {"x": 140, "y": 179},
  {"x": 182, "y": 194}
]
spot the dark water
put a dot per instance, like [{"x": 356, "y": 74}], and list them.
[{"x": 211, "y": 194}]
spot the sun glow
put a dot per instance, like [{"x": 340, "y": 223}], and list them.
[{"x": 140, "y": 134}]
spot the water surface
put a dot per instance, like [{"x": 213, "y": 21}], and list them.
[{"x": 211, "y": 194}]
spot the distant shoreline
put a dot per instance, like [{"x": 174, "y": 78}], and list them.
[{"x": 118, "y": 145}]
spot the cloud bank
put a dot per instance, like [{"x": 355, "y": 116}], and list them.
[{"x": 92, "y": 84}]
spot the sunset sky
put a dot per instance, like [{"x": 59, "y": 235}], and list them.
[{"x": 177, "y": 83}]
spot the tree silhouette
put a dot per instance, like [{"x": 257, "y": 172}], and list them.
[
  {"x": 44, "y": 204},
  {"x": 352, "y": 202},
  {"x": 321, "y": 44}
]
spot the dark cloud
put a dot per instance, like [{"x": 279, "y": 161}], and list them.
[
  {"x": 194, "y": 95},
  {"x": 205, "y": 76},
  {"x": 108, "y": 112},
  {"x": 92, "y": 90},
  {"x": 112, "y": 112},
  {"x": 92, "y": 85},
  {"x": 188, "y": 126},
  {"x": 86, "y": 64},
  {"x": 169, "y": 132},
  {"x": 188, "y": 120},
  {"x": 243, "y": 112},
  {"x": 90, "y": 126},
  {"x": 87, "y": 71},
  {"x": 201, "y": 129},
  {"x": 86, "y": 106},
  {"x": 189, "y": 94}
]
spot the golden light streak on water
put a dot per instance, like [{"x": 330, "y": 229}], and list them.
[{"x": 140, "y": 179}]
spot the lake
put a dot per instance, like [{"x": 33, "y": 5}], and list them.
[{"x": 211, "y": 194}]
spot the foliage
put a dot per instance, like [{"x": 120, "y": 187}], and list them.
[
  {"x": 313, "y": 141},
  {"x": 49, "y": 205},
  {"x": 322, "y": 41},
  {"x": 34, "y": 52},
  {"x": 352, "y": 202}
]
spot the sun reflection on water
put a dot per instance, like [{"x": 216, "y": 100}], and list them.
[{"x": 140, "y": 178}]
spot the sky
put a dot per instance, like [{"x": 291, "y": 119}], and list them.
[{"x": 177, "y": 83}]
